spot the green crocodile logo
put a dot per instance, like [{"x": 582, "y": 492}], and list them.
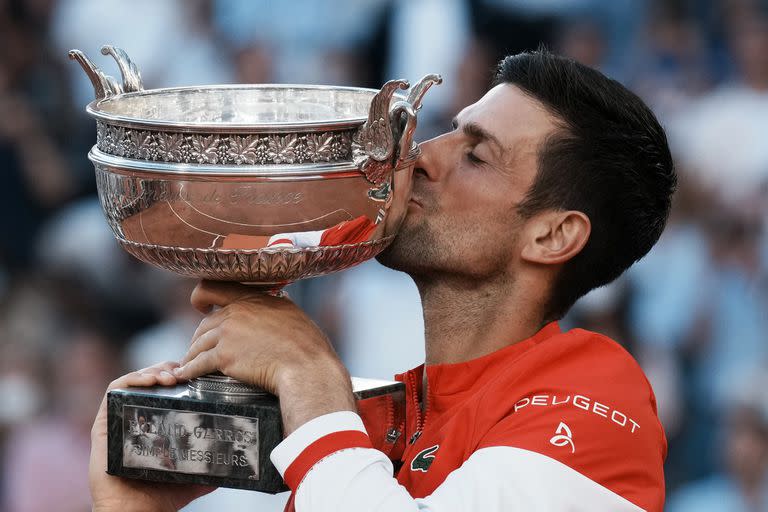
[{"x": 423, "y": 459}]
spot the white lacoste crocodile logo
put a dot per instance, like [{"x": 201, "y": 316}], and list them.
[{"x": 563, "y": 437}]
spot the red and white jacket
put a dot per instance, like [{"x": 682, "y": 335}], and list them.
[{"x": 560, "y": 421}]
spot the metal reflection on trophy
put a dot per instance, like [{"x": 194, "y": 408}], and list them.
[{"x": 261, "y": 184}]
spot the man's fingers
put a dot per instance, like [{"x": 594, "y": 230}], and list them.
[
  {"x": 201, "y": 343},
  {"x": 208, "y": 294},
  {"x": 160, "y": 373},
  {"x": 132, "y": 379},
  {"x": 203, "y": 363},
  {"x": 156, "y": 368},
  {"x": 217, "y": 293},
  {"x": 211, "y": 321}
]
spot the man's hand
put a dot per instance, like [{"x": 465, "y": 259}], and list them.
[
  {"x": 112, "y": 493},
  {"x": 269, "y": 342}
]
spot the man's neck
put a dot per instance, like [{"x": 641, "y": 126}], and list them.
[{"x": 464, "y": 320}]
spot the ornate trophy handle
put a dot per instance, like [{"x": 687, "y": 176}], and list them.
[
  {"x": 131, "y": 76},
  {"x": 403, "y": 120},
  {"x": 374, "y": 143},
  {"x": 417, "y": 91},
  {"x": 375, "y": 137},
  {"x": 103, "y": 85},
  {"x": 407, "y": 110},
  {"x": 385, "y": 140}
]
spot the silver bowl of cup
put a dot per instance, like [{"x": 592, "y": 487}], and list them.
[{"x": 263, "y": 184}]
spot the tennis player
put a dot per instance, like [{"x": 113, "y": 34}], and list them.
[{"x": 551, "y": 185}]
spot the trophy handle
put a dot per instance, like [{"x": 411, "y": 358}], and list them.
[
  {"x": 103, "y": 85},
  {"x": 407, "y": 110},
  {"x": 386, "y": 138},
  {"x": 376, "y": 137},
  {"x": 131, "y": 75},
  {"x": 374, "y": 143},
  {"x": 417, "y": 91},
  {"x": 403, "y": 120}
]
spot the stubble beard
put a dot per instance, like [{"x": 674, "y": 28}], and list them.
[
  {"x": 430, "y": 247},
  {"x": 413, "y": 249}
]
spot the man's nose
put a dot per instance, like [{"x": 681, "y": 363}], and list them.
[{"x": 430, "y": 161}]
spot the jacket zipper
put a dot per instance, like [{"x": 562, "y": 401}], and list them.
[
  {"x": 394, "y": 431},
  {"x": 420, "y": 419},
  {"x": 393, "y": 434}
]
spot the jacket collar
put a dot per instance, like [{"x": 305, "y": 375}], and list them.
[{"x": 449, "y": 382}]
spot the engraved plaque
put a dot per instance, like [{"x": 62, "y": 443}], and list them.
[
  {"x": 190, "y": 442},
  {"x": 172, "y": 434}
]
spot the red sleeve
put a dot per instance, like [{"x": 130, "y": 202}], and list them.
[{"x": 290, "y": 505}]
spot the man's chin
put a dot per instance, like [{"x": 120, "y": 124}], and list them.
[
  {"x": 393, "y": 256},
  {"x": 388, "y": 257},
  {"x": 404, "y": 254}
]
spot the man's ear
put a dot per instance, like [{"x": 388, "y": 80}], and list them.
[{"x": 554, "y": 237}]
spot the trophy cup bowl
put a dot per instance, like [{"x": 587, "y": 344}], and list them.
[{"x": 260, "y": 184}]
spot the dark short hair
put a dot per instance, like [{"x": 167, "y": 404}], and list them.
[{"x": 609, "y": 159}]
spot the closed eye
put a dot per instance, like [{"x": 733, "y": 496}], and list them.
[{"x": 473, "y": 158}]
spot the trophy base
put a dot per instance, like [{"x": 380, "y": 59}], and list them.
[{"x": 181, "y": 435}]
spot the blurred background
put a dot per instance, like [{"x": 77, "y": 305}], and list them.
[{"x": 75, "y": 311}]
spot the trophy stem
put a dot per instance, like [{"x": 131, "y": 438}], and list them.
[{"x": 216, "y": 386}]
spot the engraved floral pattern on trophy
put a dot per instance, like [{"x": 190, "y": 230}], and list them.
[
  {"x": 276, "y": 267},
  {"x": 209, "y": 148}
]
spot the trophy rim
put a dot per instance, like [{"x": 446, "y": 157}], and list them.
[{"x": 94, "y": 109}]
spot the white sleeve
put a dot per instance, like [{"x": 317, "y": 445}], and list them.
[
  {"x": 492, "y": 479},
  {"x": 297, "y": 239}
]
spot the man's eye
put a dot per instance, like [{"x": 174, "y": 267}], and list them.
[{"x": 473, "y": 158}]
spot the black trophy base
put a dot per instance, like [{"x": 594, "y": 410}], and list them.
[{"x": 172, "y": 434}]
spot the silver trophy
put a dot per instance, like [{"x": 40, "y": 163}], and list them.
[{"x": 260, "y": 184}]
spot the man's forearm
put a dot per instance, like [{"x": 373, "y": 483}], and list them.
[{"x": 300, "y": 400}]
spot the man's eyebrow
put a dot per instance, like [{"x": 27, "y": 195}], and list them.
[{"x": 477, "y": 132}]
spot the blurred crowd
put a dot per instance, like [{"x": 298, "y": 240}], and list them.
[{"x": 75, "y": 311}]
